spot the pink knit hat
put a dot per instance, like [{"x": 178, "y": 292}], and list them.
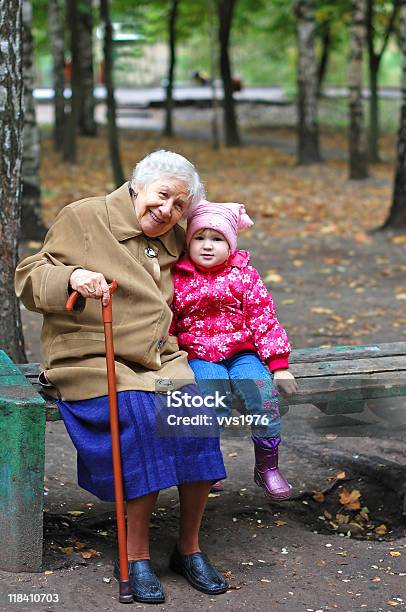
[{"x": 224, "y": 217}]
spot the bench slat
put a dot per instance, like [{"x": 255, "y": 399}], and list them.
[{"x": 358, "y": 366}]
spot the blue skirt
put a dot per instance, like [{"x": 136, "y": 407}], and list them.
[{"x": 150, "y": 462}]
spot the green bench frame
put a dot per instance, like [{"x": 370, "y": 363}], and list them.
[{"x": 337, "y": 380}]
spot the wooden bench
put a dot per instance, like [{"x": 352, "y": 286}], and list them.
[{"x": 337, "y": 380}]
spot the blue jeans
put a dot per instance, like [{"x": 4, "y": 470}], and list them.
[{"x": 245, "y": 375}]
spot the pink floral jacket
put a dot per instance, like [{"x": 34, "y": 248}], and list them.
[{"x": 217, "y": 314}]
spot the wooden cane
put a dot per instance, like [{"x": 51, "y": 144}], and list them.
[{"x": 125, "y": 591}]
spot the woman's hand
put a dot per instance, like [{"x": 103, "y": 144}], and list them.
[
  {"x": 90, "y": 285},
  {"x": 285, "y": 381}
]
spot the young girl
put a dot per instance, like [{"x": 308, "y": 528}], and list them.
[{"x": 225, "y": 319}]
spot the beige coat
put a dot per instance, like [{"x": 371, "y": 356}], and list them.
[{"x": 102, "y": 234}]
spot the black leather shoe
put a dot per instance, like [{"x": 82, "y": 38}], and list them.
[
  {"x": 145, "y": 584},
  {"x": 199, "y": 572}
]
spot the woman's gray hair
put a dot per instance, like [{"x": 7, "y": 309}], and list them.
[{"x": 167, "y": 163}]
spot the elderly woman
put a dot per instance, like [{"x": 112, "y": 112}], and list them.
[{"x": 132, "y": 235}]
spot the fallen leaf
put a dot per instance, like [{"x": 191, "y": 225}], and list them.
[
  {"x": 394, "y": 553},
  {"x": 272, "y": 277},
  {"x": 80, "y": 545},
  {"x": 214, "y": 495},
  {"x": 280, "y": 523},
  {"x": 350, "y": 499},
  {"x": 338, "y": 476},
  {"x": 67, "y": 550},
  {"x": 321, "y": 310},
  {"x": 265, "y": 580},
  {"x": 88, "y": 554},
  {"x": 399, "y": 240},
  {"x": 381, "y": 530},
  {"x": 319, "y": 496},
  {"x": 75, "y": 512}
]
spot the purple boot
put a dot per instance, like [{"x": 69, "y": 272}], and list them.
[{"x": 266, "y": 472}]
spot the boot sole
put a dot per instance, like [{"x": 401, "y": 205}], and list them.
[{"x": 275, "y": 496}]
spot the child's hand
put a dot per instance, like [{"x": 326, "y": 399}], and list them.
[{"x": 285, "y": 381}]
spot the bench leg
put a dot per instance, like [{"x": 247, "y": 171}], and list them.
[{"x": 22, "y": 456}]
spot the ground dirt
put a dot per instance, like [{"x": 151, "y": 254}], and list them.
[{"x": 331, "y": 288}]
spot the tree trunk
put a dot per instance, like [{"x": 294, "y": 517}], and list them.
[
  {"x": 308, "y": 151},
  {"x": 71, "y": 125},
  {"x": 357, "y": 138},
  {"x": 32, "y": 226},
  {"x": 85, "y": 35},
  {"x": 58, "y": 70},
  {"x": 215, "y": 132},
  {"x": 373, "y": 134},
  {"x": 374, "y": 61},
  {"x": 397, "y": 213},
  {"x": 11, "y": 126},
  {"x": 373, "y": 66},
  {"x": 232, "y": 136},
  {"x": 325, "y": 55},
  {"x": 168, "y": 131},
  {"x": 114, "y": 147}
]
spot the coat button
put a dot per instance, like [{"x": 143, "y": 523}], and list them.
[{"x": 160, "y": 343}]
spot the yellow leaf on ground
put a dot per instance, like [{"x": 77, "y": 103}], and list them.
[
  {"x": 399, "y": 240},
  {"x": 272, "y": 277},
  {"x": 321, "y": 310},
  {"x": 395, "y": 553},
  {"x": 350, "y": 499},
  {"x": 88, "y": 554},
  {"x": 381, "y": 529}
]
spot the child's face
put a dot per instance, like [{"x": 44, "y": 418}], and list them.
[{"x": 208, "y": 248}]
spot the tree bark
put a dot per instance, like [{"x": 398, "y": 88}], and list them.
[
  {"x": 87, "y": 121},
  {"x": 397, "y": 213},
  {"x": 325, "y": 55},
  {"x": 71, "y": 124},
  {"x": 308, "y": 151},
  {"x": 215, "y": 132},
  {"x": 58, "y": 70},
  {"x": 374, "y": 62},
  {"x": 231, "y": 132},
  {"x": 114, "y": 147},
  {"x": 11, "y": 126},
  {"x": 168, "y": 131},
  {"x": 357, "y": 138},
  {"x": 32, "y": 227}
]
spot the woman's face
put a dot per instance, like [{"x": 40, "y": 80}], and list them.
[
  {"x": 208, "y": 248},
  {"x": 160, "y": 205}
]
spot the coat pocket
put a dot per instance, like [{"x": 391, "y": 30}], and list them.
[{"x": 75, "y": 345}]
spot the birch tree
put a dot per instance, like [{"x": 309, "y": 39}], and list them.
[
  {"x": 397, "y": 213},
  {"x": 31, "y": 215},
  {"x": 231, "y": 132},
  {"x": 114, "y": 146},
  {"x": 58, "y": 70},
  {"x": 85, "y": 41},
  {"x": 357, "y": 136},
  {"x": 307, "y": 80},
  {"x": 11, "y": 126},
  {"x": 173, "y": 11}
]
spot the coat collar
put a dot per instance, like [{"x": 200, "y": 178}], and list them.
[
  {"x": 239, "y": 259},
  {"x": 124, "y": 223}
]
